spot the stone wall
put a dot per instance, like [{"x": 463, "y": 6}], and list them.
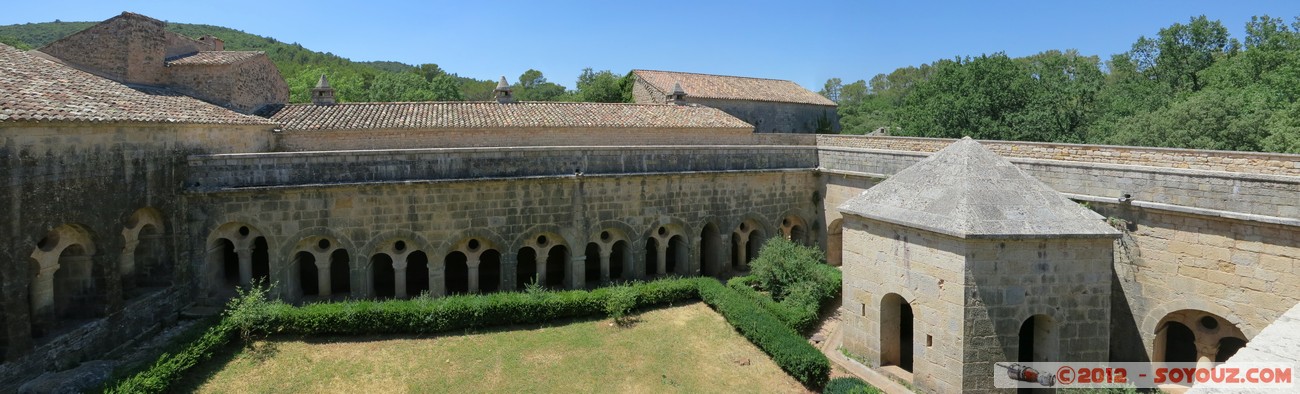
[
  {"x": 374, "y": 166},
  {"x": 508, "y": 137},
  {"x": 1230, "y": 161},
  {"x": 504, "y": 214},
  {"x": 92, "y": 178},
  {"x": 775, "y": 117},
  {"x": 927, "y": 271},
  {"x": 245, "y": 86},
  {"x": 129, "y": 48}
]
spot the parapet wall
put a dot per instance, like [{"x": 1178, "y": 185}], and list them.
[
  {"x": 296, "y": 141},
  {"x": 1245, "y": 162},
  {"x": 302, "y": 168}
]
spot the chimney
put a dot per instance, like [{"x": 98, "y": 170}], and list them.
[
  {"x": 678, "y": 96},
  {"x": 503, "y": 92},
  {"x": 216, "y": 44},
  {"x": 322, "y": 94}
]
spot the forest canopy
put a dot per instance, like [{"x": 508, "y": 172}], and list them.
[{"x": 1189, "y": 86}]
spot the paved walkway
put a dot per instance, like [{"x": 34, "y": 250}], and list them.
[{"x": 828, "y": 337}]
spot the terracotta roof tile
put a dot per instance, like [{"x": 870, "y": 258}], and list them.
[
  {"x": 36, "y": 89},
  {"x": 212, "y": 57},
  {"x": 732, "y": 88},
  {"x": 490, "y": 114}
]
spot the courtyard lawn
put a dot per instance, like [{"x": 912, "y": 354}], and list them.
[{"x": 680, "y": 349}]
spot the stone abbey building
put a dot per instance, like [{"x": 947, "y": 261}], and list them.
[{"x": 149, "y": 172}]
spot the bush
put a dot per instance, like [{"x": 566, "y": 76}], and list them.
[
  {"x": 781, "y": 264},
  {"x": 849, "y": 386},
  {"x": 620, "y": 302},
  {"x": 801, "y": 307},
  {"x": 787, "y": 348}
]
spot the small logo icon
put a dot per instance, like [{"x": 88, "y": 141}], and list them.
[{"x": 1029, "y": 374}]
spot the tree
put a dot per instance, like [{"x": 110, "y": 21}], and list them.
[
  {"x": 599, "y": 87},
  {"x": 831, "y": 90},
  {"x": 532, "y": 86}
]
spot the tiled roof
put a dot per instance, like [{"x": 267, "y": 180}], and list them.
[
  {"x": 732, "y": 88},
  {"x": 490, "y": 114},
  {"x": 36, "y": 89},
  {"x": 212, "y": 57}
]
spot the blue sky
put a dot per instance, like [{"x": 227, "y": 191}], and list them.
[{"x": 805, "y": 41}]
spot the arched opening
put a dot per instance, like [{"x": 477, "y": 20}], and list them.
[
  {"x": 383, "y": 275},
  {"x": 261, "y": 262},
  {"x": 1228, "y": 347},
  {"x": 835, "y": 244},
  {"x": 489, "y": 271},
  {"x": 229, "y": 262},
  {"x": 308, "y": 277},
  {"x": 1180, "y": 343},
  {"x": 526, "y": 268},
  {"x": 1180, "y": 332},
  {"x": 798, "y": 235},
  {"x": 754, "y": 244},
  {"x": 457, "y": 276},
  {"x": 1038, "y": 340},
  {"x": 677, "y": 256},
  {"x": 148, "y": 271},
  {"x": 340, "y": 273},
  {"x": 736, "y": 262},
  {"x": 711, "y": 251},
  {"x": 896, "y": 325},
  {"x": 557, "y": 264},
  {"x": 417, "y": 274},
  {"x": 619, "y": 258},
  {"x": 651, "y": 258},
  {"x": 591, "y": 271}
]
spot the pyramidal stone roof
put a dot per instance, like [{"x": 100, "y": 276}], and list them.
[{"x": 967, "y": 191}]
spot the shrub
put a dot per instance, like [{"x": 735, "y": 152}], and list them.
[
  {"x": 170, "y": 367},
  {"x": 801, "y": 307},
  {"x": 620, "y": 302},
  {"x": 849, "y": 386},
  {"x": 782, "y": 263},
  {"x": 787, "y": 348}
]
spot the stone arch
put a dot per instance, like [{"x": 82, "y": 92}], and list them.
[
  {"x": 835, "y": 243},
  {"x": 476, "y": 269},
  {"x": 670, "y": 249},
  {"x": 1192, "y": 335},
  {"x": 617, "y": 261},
  {"x": 747, "y": 237},
  {"x": 897, "y": 331},
  {"x": 315, "y": 263},
  {"x": 63, "y": 281},
  {"x": 144, "y": 250},
  {"x": 795, "y": 228},
  {"x": 1152, "y": 321},
  {"x": 236, "y": 253},
  {"x": 398, "y": 266},
  {"x": 536, "y": 260},
  {"x": 1039, "y": 339}
]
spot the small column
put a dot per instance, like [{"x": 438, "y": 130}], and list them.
[
  {"x": 604, "y": 265},
  {"x": 473, "y": 263},
  {"x": 42, "y": 299},
  {"x": 127, "y": 266},
  {"x": 323, "y": 274},
  {"x": 245, "y": 266},
  {"x": 661, "y": 263},
  {"x": 399, "y": 277},
  {"x": 1206, "y": 351}
]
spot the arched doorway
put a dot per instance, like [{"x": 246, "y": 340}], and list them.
[
  {"x": 417, "y": 274},
  {"x": 384, "y": 276},
  {"x": 340, "y": 273},
  {"x": 1038, "y": 340},
  {"x": 835, "y": 244},
  {"x": 557, "y": 266},
  {"x": 677, "y": 256},
  {"x": 489, "y": 271},
  {"x": 619, "y": 258},
  {"x": 457, "y": 277},
  {"x": 896, "y": 332},
  {"x": 651, "y": 257},
  {"x": 591, "y": 266},
  {"x": 1193, "y": 336}
]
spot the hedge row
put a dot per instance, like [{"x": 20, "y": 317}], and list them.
[
  {"x": 849, "y": 386},
  {"x": 425, "y": 316},
  {"x": 788, "y": 349},
  {"x": 429, "y": 316}
]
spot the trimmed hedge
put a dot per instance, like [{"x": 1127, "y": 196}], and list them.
[
  {"x": 425, "y": 316},
  {"x": 800, "y": 313},
  {"x": 849, "y": 386},
  {"x": 788, "y": 349}
]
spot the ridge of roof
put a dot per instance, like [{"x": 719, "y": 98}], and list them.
[
  {"x": 730, "y": 87},
  {"x": 712, "y": 75}
]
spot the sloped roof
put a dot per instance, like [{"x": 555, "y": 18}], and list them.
[
  {"x": 490, "y": 114},
  {"x": 967, "y": 191},
  {"x": 37, "y": 89},
  {"x": 212, "y": 58},
  {"x": 732, "y": 88}
]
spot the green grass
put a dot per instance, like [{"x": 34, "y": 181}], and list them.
[{"x": 681, "y": 349}]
